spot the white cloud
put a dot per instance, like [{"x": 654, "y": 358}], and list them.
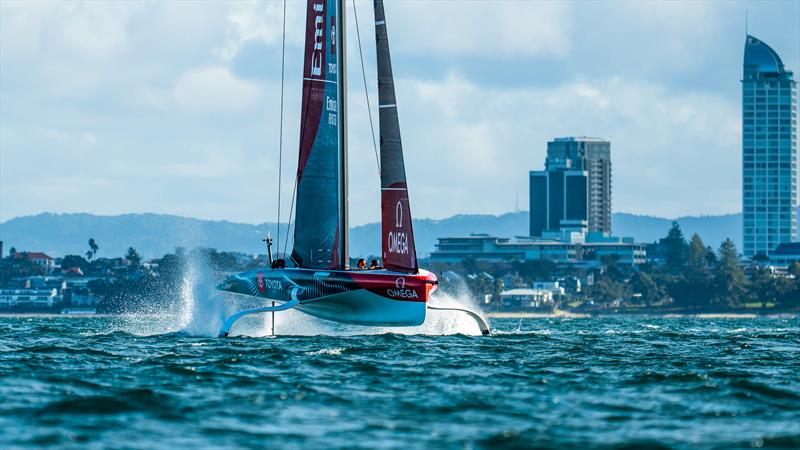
[
  {"x": 478, "y": 144},
  {"x": 496, "y": 28},
  {"x": 215, "y": 89},
  {"x": 166, "y": 99},
  {"x": 252, "y": 20},
  {"x": 86, "y": 30},
  {"x": 89, "y": 138},
  {"x": 653, "y": 38},
  {"x": 587, "y": 93}
]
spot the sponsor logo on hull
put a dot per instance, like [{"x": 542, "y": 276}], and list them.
[
  {"x": 402, "y": 293},
  {"x": 400, "y": 290},
  {"x": 260, "y": 282},
  {"x": 310, "y": 285}
]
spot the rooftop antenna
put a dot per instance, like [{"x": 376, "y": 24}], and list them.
[{"x": 746, "y": 23}]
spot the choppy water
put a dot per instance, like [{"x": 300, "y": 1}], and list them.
[{"x": 545, "y": 383}]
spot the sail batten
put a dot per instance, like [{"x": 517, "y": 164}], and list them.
[{"x": 397, "y": 235}]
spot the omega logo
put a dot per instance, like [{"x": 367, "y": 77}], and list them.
[
  {"x": 398, "y": 215},
  {"x": 401, "y": 291}
]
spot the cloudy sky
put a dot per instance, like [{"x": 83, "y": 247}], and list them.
[{"x": 173, "y": 107}]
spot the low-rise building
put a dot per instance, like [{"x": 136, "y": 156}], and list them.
[
  {"x": 589, "y": 249},
  {"x": 84, "y": 298},
  {"x": 570, "y": 284},
  {"x": 552, "y": 286},
  {"x": 28, "y": 298},
  {"x": 785, "y": 255},
  {"x": 35, "y": 282},
  {"x": 42, "y": 260},
  {"x": 525, "y": 298}
]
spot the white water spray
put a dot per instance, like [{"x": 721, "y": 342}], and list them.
[
  {"x": 295, "y": 323},
  {"x": 201, "y": 310}
]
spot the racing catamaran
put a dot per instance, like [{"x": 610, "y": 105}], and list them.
[{"x": 322, "y": 283}]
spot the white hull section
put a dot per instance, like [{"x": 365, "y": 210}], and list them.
[{"x": 362, "y": 307}]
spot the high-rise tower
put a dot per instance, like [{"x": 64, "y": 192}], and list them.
[
  {"x": 592, "y": 155},
  {"x": 559, "y": 201},
  {"x": 769, "y": 150}
]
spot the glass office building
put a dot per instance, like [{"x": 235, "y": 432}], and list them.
[
  {"x": 559, "y": 201},
  {"x": 769, "y": 150},
  {"x": 592, "y": 155}
]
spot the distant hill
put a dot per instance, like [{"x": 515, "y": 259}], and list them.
[
  {"x": 156, "y": 234},
  {"x": 151, "y": 234},
  {"x": 712, "y": 229}
]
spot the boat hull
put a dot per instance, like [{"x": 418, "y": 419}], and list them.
[
  {"x": 362, "y": 307},
  {"x": 369, "y": 298}
]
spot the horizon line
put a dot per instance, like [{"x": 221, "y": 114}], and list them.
[{"x": 683, "y": 217}]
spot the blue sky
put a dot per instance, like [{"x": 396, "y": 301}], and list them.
[{"x": 173, "y": 107}]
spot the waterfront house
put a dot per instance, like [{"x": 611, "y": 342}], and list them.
[
  {"x": 522, "y": 299},
  {"x": 43, "y": 260},
  {"x": 552, "y": 286},
  {"x": 28, "y": 298}
]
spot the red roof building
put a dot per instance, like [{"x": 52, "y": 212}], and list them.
[
  {"x": 34, "y": 256},
  {"x": 40, "y": 259}
]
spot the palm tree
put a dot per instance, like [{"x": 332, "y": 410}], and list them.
[{"x": 93, "y": 247}]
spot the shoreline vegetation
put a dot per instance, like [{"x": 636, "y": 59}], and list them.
[{"x": 680, "y": 278}]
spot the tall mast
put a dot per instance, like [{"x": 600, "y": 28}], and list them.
[{"x": 341, "y": 45}]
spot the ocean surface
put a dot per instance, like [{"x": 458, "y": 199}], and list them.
[{"x": 159, "y": 382}]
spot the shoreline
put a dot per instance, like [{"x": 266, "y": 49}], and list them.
[
  {"x": 492, "y": 315},
  {"x": 537, "y": 315},
  {"x": 25, "y": 315},
  {"x": 671, "y": 315}
]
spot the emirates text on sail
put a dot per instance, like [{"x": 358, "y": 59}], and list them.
[{"x": 319, "y": 37}]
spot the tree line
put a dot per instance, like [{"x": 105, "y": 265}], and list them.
[
  {"x": 126, "y": 284},
  {"x": 696, "y": 277},
  {"x": 685, "y": 275}
]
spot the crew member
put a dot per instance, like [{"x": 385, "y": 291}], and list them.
[
  {"x": 373, "y": 265},
  {"x": 362, "y": 264}
]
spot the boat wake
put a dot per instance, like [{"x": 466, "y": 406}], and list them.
[{"x": 295, "y": 323}]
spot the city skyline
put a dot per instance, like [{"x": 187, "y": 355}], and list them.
[{"x": 122, "y": 108}]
